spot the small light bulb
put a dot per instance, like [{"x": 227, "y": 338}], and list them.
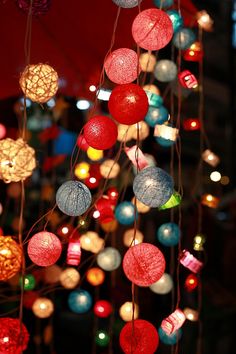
[
  {"x": 65, "y": 230},
  {"x": 215, "y": 176},
  {"x": 92, "y": 88},
  {"x": 96, "y": 214}
]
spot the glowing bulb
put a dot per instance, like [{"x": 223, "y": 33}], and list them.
[
  {"x": 96, "y": 214},
  {"x": 92, "y": 88},
  {"x": 215, "y": 176},
  {"x": 6, "y": 339},
  {"x": 83, "y": 104},
  {"x": 101, "y": 335},
  {"x": 104, "y": 95},
  {"x": 65, "y": 230}
]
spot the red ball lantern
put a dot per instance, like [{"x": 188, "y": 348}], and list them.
[
  {"x": 104, "y": 206},
  {"x": 122, "y": 66},
  {"x": 139, "y": 337},
  {"x": 100, "y": 132},
  {"x": 152, "y": 29},
  {"x": 113, "y": 195},
  {"x": 191, "y": 124},
  {"x": 191, "y": 282},
  {"x": 82, "y": 143},
  {"x": 14, "y": 336},
  {"x": 92, "y": 182},
  {"x": 194, "y": 52},
  {"x": 44, "y": 249},
  {"x": 187, "y": 79},
  {"x": 73, "y": 252},
  {"x": 102, "y": 308},
  {"x": 144, "y": 264},
  {"x": 128, "y": 104}
]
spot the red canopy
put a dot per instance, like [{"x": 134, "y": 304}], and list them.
[{"x": 73, "y": 37}]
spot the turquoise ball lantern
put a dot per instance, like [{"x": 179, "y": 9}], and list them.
[
  {"x": 184, "y": 38},
  {"x": 168, "y": 234},
  {"x": 156, "y": 115},
  {"x": 125, "y": 213},
  {"x": 164, "y": 142},
  {"x": 80, "y": 301},
  {"x": 164, "y": 4},
  {"x": 169, "y": 339},
  {"x": 176, "y": 19}
]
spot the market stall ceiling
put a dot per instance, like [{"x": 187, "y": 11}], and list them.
[{"x": 73, "y": 37}]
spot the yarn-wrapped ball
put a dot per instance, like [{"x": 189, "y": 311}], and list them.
[
  {"x": 128, "y": 104},
  {"x": 156, "y": 115},
  {"x": 127, "y": 4},
  {"x": 122, "y": 66},
  {"x": 109, "y": 169},
  {"x": 10, "y": 257},
  {"x": 144, "y": 264},
  {"x": 73, "y": 198},
  {"x": 168, "y": 234},
  {"x": 69, "y": 278},
  {"x": 169, "y": 339},
  {"x": 152, "y": 29},
  {"x": 176, "y": 19},
  {"x": 39, "y": 7},
  {"x": 80, "y": 301},
  {"x": 139, "y": 337},
  {"x": 125, "y": 213},
  {"x": 39, "y": 82},
  {"x": 163, "y": 3},
  {"x": 44, "y": 249},
  {"x": 14, "y": 336},
  {"x": 147, "y": 62},
  {"x": 43, "y": 307},
  {"x": 100, "y": 132},
  {"x": 95, "y": 276},
  {"x": 153, "y": 186},
  {"x": 184, "y": 38},
  {"x": 163, "y": 286},
  {"x": 165, "y": 70},
  {"x": 109, "y": 259},
  {"x": 17, "y": 160},
  {"x": 102, "y": 308}
]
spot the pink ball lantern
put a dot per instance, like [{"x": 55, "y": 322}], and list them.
[
  {"x": 100, "y": 132},
  {"x": 73, "y": 252},
  {"x": 122, "y": 66},
  {"x": 128, "y": 104},
  {"x": 144, "y": 264},
  {"x": 102, "y": 308},
  {"x": 44, "y": 249},
  {"x": 14, "y": 336},
  {"x": 152, "y": 29},
  {"x": 139, "y": 337}
]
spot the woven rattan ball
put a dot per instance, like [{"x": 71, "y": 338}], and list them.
[
  {"x": 17, "y": 160},
  {"x": 10, "y": 257},
  {"x": 39, "y": 82}
]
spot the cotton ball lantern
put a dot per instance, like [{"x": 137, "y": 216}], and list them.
[
  {"x": 154, "y": 100},
  {"x": 80, "y": 301},
  {"x": 142, "y": 208},
  {"x": 165, "y": 70},
  {"x": 122, "y": 66},
  {"x": 139, "y": 336},
  {"x": 152, "y": 89},
  {"x": 82, "y": 170},
  {"x": 152, "y": 29},
  {"x": 2, "y": 131},
  {"x": 176, "y": 19},
  {"x": 109, "y": 259},
  {"x": 10, "y": 257},
  {"x": 191, "y": 282},
  {"x": 17, "y": 160},
  {"x": 95, "y": 276},
  {"x": 153, "y": 186},
  {"x": 43, "y": 307},
  {"x": 184, "y": 38},
  {"x": 141, "y": 131},
  {"x": 168, "y": 234},
  {"x": 44, "y": 249},
  {"x": 129, "y": 239},
  {"x": 100, "y": 132},
  {"x": 190, "y": 314},
  {"x": 102, "y": 308},
  {"x": 39, "y": 7},
  {"x": 102, "y": 338},
  {"x": 170, "y": 339},
  {"x": 73, "y": 198},
  {"x": 125, "y": 132},
  {"x": 14, "y": 336},
  {"x": 164, "y": 4},
  {"x": 52, "y": 274},
  {"x": 126, "y": 213},
  {"x": 128, "y": 104},
  {"x": 109, "y": 169},
  {"x": 69, "y": 278},
  {"x": 147, "y": 62},
  {"x": 163, "y": 286},
  {"x": 156, "y": 115},
  {"x": 127, "y": 4},
  {"x": 126, "y": 311},
  {"x": 144, "y": 264},
  {"x": 94, "y": 154},
  {"x": 29, "y": 282}
]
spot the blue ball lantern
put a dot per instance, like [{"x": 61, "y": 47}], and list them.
[
  {"x": 164, "y": 4},
  {"x": 80, "y": 301},
  {"x": 176, "y": 19},
  {"x": 154, "y": 100},
  {"x": 184, "y": 38},
  {"x": 153, "y": 186},
  {"x": 169, "y": 339},
  {"x": 165, "y": 70},
  {"x": 73, "y": 198},
  {"x": 168, "y": 234},
  {"x": 156, "y": 116},
  {"x": 125, "y": 213},
  {"x": 164, "y": 142}
]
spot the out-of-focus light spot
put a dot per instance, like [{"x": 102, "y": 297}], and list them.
[
  {"x": 104, "y": 95},
  {"x": 83, "y": 104},
  {"x": 224, "y": 180},
  {"x": 215, "y": 176},
  {"x": 92, "y": 88},
  {"x": 27, "y": 102},
  {"x": 51, "y": 103}
]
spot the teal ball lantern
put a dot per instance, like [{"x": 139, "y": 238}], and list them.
[
  {"x": 168, "y": 234},
  {"x": 164, "y": 142},
  {"x": 169, "y": 339},
  {"x": 164, "y": 4},
  {"x": 176, "y": 19},
  {"x": 153, "y": 186},
  {"x": 157, "y": 115},
  {"x": 125, "y": 213},
  {"x": 184, "y": 38},
  {"x": 73, "y": 198},
  {"x": 80, "y": 301},
  {"x": 154, "y": 100}
]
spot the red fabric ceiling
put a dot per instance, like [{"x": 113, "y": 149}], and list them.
[{"x": 73, "y": 37}]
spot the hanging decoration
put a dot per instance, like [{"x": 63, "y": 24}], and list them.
[
  {"x": 10, "y": 257},
  {"x": 14, "y": 336}
]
